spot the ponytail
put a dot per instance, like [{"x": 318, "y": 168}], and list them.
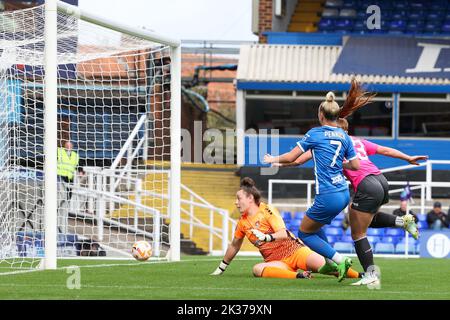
[{"x": 356, "y": 98}]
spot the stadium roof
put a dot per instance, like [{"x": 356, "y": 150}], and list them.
[{"x": 286, "y": 67}]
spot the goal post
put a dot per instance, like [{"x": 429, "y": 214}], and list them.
[
  {"x": 117, "y": 99},
  {"x": 50, "y": 134},
  {"x": 175, "y": 108}
]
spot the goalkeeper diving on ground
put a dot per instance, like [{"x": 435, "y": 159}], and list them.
[{"x": 285, "y": 256}]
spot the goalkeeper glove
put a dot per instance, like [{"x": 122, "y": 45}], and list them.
[
  {"x": 220, "y": 269},
  {"x": 262, "y": 236}
]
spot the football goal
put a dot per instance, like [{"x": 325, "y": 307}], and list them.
[{"x": 105, "y": 98}]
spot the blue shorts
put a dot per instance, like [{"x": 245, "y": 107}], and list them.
[{"x": 327, "y": 206}]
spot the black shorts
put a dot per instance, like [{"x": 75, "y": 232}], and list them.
[{"x": 371, "y": 194}]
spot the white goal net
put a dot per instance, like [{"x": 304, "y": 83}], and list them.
[{"x": 114, "y": 110}]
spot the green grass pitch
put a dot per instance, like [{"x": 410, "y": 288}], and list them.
[{"x": 190, "y": 279}]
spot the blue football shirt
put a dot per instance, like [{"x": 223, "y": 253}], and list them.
[{"x": 329, "y": 146}]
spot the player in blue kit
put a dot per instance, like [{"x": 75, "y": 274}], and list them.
[{"x": 329, "y": 146}]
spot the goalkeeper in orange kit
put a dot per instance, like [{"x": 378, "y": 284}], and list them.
[{"x": 284, "y": 254}]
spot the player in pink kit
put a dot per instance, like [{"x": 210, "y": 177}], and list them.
[{"x": 371, "y": 189}]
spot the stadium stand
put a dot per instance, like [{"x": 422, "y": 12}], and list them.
[
  {"x": 383, "y": 247},
  {"x": 349, "y": 16},
  {"x": 344, "y": 247},
  {"x": 383, "y": 240}
]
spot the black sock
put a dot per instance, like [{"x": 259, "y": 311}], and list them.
[
  {"x": 364, "y": 252},
  {"x": 383, "y": 220}
]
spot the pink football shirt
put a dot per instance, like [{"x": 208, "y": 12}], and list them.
[{"x": 363, "y": 149}]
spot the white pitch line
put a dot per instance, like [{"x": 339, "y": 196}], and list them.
[{"x": 18, "y": 272}]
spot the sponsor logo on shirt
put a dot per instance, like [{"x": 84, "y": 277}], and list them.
[{"x": 337, "y": 179}]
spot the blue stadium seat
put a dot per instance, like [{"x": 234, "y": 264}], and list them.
[
  {"x": 398, "y": 32},
  {"x": 378, "y": 31},
  {"x": 416, "y": 5},
  {"x": 435, "y": 15},
  {"x": 286, "y": 215},
  {"x": 343, "y": 25},
  {"x": 375, "y": 232},
  {"x": 383, "y": 247},
  {"x": 330, "y": 13},
  {"x": 422, "y": 225},
  {"x": 399, "y": 4},
  {"x": 437, "y": 6},
  {"x": 387, "y": 239},
  {"x": 445, "y": 27},
  {"x": 350, "y": 4},
  {"x": 359, "y": 26},
  {"x": 416, "y": 15},
  {"x": 332, "y": 239},
  {"x": 399, "y": 14},
  {"x": 363, "y": 4},
  {"x": 397, "y": 25},
  {"x": 361, "y": 15},
  {"x": 343, "y": 247},
  {"x": 299, "y": 215},
  {"x": 294, "y": 225},
  {"x": 415, "y": 26},
  {"x": 348, "y": 232},
  {"x": 347, "y": 239},
  {"x": 334, "y": 3},
  {"x": 400, "y": 248},
  {"x": 394, "y": 232},
  {"x": 326, "y": 24},
  {"x": 422, "y": 217},
  {"x": 386, "y": 15},
  {"x": 336, "y": 223},
  {"x": 432, "y": 27},
  {"x": 340, "y": 216},
  {"x": 347, "y": 13},
  {"x": 385, "y": 5},
  {"x": 373, "y": 240},
  {"x": 411, "y": 241},
  {"x": 333, "y": 231}
]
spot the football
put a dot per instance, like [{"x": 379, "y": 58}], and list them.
[{"x": 141, "y": 250}]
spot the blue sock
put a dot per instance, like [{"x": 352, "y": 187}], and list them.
[
  {"x": 322, "y": 235},
  {"x": 317, "y": 244}
]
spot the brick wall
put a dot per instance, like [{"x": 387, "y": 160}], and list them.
[{"x": 265, "y": 18}]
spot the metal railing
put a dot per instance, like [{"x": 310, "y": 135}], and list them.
[{"x": 97, "y": 192}]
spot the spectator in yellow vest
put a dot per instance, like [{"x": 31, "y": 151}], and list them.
[{"x": 67, "y": 162}]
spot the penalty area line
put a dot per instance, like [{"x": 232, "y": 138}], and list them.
[{"x": 18, "y": 272}]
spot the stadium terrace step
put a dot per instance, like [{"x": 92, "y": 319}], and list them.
[
  {"x": 302, "y": 27},
  {"x": 309, "y": 6},
  {"x": 306, "y": 16}
]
